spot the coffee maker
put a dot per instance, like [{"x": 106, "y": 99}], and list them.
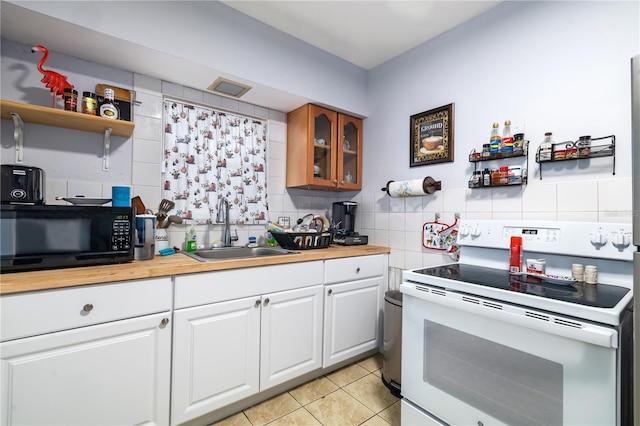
[{"x": 343, "y": 221}]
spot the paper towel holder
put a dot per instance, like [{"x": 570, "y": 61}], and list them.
[{"x": 426, "y": 186}]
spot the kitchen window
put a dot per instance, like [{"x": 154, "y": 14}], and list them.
[{"x": 210, "y": 155}]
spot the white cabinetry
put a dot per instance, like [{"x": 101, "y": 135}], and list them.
[
  {"x": 352, "y": 304},
  {"x": 93, "y": 355},
  {"x": 252, "y": 329}
]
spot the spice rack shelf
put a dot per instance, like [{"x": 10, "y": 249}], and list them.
[
  {"x": 20, "y": 112},
  {"x": 576, "y": 153},
  {"x": 476, "y": 158}
]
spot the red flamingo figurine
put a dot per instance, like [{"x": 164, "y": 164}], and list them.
[{"x": 54, "y": 81}]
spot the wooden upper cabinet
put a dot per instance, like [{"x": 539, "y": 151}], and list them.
[{"x": 324, "y": 150}]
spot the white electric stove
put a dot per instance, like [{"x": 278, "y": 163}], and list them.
[{"x": 481, "y": 346}]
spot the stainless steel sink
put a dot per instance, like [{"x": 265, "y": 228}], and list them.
[{"x": 226, "y": 253}]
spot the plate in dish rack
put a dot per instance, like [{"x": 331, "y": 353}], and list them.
[{"x": 554, "y": 279}]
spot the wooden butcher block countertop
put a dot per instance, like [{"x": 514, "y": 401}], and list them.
[{"x": 161, "y": 266}]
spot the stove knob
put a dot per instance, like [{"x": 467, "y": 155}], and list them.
[
  {"x": 464, "y": 230},
  {"x": 598, "y": 239},
  {"x": 476, "y": 231},
  {"x": 621, "y": 240}
]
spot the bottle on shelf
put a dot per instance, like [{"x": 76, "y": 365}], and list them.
[
  {"x": 546, "y": 147},
  {"x": 486, "y": 177},
  {"x": 495, "y": 177},
  {"x": 108, "y": 108},
  {"x": 506, "y": 144},
  {"x": 494, "y": 141},
  {"x": 504, "y": 175}
]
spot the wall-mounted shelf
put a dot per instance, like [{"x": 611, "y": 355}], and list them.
[
  {"x": 476, "y": 158},
  {"x": 577, "y": 153},
  {"x": 20, "y": 113}
]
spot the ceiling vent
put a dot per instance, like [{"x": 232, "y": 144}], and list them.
[{"x": 228, "y": 87}]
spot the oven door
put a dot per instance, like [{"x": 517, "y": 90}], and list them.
[{"x": 468, "y": 360}]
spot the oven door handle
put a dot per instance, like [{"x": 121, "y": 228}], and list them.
[{"x": 533, "y": 319}]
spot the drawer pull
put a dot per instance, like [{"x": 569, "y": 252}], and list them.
[
  {"x": 88, "y": 307},
  {"x": 329, "y": 291},
  {"x": 357, "y": 269},
  {"x": 164, "y": 322},
  {"x": 257, "y": 304},
  {"x": 266, "y": 301}
]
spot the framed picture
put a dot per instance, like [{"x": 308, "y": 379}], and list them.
[{"x": 431, "y": 136}]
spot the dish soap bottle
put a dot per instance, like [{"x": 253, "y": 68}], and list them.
[{"x": 191, "y": 244}]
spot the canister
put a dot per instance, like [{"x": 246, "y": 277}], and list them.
[{"x": 591, "y": 274}]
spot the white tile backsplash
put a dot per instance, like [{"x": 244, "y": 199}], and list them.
[
  {"x": 581, "y": 196},
  {"x": 148, "y": 128},
  {"x": 147, "y": 174},
  {"x": 147, "y": 151},
  {"x": 150, "y": 105},
  {"x": 615, "y": 195}
]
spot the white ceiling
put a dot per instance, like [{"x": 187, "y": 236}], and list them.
[{"x": 365, "y": 33}]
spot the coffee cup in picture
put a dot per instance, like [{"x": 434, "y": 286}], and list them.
[{"x": 431, "y": 143}]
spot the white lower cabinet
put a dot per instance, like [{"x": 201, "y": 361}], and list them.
[
  {"x": 352, "y": 305},
  {"x": 112, "y": 373},
  {"x": 229, "y": 350}
]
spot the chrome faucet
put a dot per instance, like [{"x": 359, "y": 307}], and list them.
[{"x": 223, "y": 216}]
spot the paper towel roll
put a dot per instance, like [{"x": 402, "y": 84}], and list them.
[{"x": 412, "y": 188}]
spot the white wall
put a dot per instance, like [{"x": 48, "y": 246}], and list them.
[{"x": 549, "y": 66}]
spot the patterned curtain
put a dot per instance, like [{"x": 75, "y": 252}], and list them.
[{"x": 209, "y": 155}]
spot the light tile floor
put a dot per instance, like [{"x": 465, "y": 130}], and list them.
[{"x": 353, "y": 395}]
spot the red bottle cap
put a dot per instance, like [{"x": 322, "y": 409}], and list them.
[{"x": 516, "y": 241}]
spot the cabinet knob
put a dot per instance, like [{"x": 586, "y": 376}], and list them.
[
  {"x": 341, "y": 182},
  {"x": 164, "y": 322},
  {"x": 329, "y": 291},
  {"x": 335, "y": 181},
  {"x": 88, "y": 307},
  {"x": 357, "y": 269},
  {"x": 257, "y": 304},
  {"x": 266, "y": 301}
]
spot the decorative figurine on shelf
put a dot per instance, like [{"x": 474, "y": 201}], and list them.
[{"x": 54, "y": 81}]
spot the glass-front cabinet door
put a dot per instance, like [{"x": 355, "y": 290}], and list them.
[
  {"x": 324, "y": 144},
  {"x": 324, "y": 149},
  {"x": 349, "y": 152}
]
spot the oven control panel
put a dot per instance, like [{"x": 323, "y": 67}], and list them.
[{"x": 589, "y": 239}]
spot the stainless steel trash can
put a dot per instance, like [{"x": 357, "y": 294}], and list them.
[{"x": 392, "y": 341}]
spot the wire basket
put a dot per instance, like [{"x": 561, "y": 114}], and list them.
[{"x": 303, "y": 240}]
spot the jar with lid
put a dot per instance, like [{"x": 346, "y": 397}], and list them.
[
  {"x": 474, "y": 182},
  {"x": 545, "y": 147},
  {"x": 89, "y": 103},
  {"x": 518, "y": 143},
  {"x": 70, "y": 100},
  {"x": 485, "y": 150},
  {"x": 584, "y": 146}
]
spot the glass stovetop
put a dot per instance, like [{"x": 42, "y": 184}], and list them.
[{"x": 599, "y": 296}]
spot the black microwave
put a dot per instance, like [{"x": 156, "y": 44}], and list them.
[{"x": 47, "y": 236}]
